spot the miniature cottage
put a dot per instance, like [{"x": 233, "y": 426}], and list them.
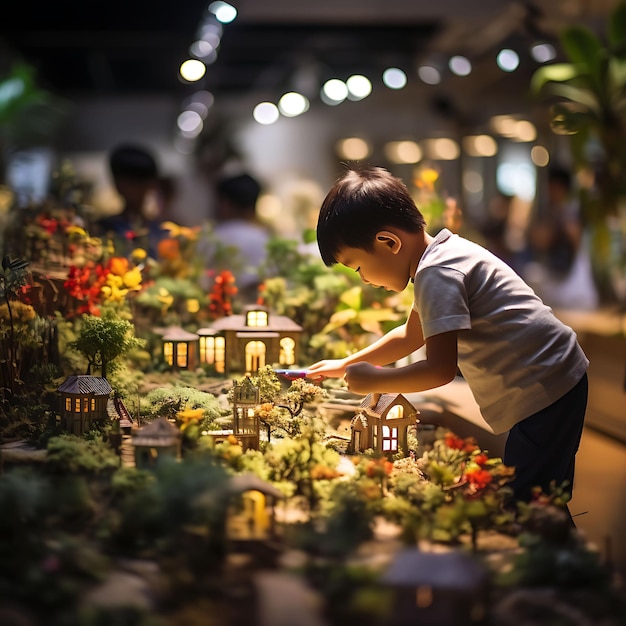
[
  {"x": 381, "y": 424},
  {"x": 83, "y": 401},
  {"x": 180, "y": 348},
  {"x": 256, "y": 517},
  {"x": 157, "y": 440},
  {"x": 248, "y": 342},
  {"x": 436, "y": 588}
]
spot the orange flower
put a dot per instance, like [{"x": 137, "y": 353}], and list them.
[
  {"x": 169, "y": 249},
  {"x": 118, "y": 265}
]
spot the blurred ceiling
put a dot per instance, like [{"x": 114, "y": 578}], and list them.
[{"x": 124, "y": 48}]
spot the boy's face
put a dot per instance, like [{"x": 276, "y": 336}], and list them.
[{"x": 381, "y": 267}]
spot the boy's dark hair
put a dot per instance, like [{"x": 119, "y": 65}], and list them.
[
  {"x": 134, "y": 162},
  {"x": 361, "y": 203},
  {"x": 242, "y": 191}
]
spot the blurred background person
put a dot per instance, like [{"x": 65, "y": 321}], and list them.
[
  {"x": 560, "y": 264},
  {"x": 135, "y": 175},
  {"x": 238, "y": 239}
]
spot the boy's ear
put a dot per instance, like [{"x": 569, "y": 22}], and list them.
[{"x": 390, "y": 240}]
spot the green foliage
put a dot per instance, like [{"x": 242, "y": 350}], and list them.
[
  {"x": 103, "y": 340},
  {"x": 29, "y": 116},
  {"x": 588, "y": 100},
  {"x": 169, "y": 401},
  {"x": 69, "y": 454}
]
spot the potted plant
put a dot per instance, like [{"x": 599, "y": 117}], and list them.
[{"x": 588, "y": 98}]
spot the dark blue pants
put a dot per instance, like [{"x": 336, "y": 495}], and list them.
[{"x": 543, "y": 447}]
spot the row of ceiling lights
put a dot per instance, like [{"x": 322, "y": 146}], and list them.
[{"x": 333, "y": 92}]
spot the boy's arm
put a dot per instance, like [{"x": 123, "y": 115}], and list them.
[
  {"x": 394, "y": 345},
  {"x": 438, "y": 368}
]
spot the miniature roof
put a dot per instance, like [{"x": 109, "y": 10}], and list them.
[
  {"x": 175, "y": 333},
  {"x": 379, "y": 403},
  {"x": 251, "y": 482},
  {"x": 85, "y": 384},
  {"x": 413, "y": 567},
  {"x": 159, "y": 433},
  {"x": 275, "y": 323}
]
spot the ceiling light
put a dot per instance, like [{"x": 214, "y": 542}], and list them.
[
  {"x": 353, "y": 149},
  {"x": 359, "y": 87},
  {"x": 266, "y": 113},
  {"x": 293, "y": 104},
  {"x": 403, "y": 152},
  {"x": 429, "y": 74},
  {"x": 394, "y": 78},
  {"x": 507, "y": 60},
  {"x": 192, "y": 70},
  {"x": 224, "y": 12},
  {"x": 334, "y": 91},
  {"x": 460, "y": 65},
  {"x": 543, "y": 52}
]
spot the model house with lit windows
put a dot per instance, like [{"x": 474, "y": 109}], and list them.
[
  {"x": 249, "y": 341},
  {"x": 180, "y": 348},
  {"x": 83, "y": 399},
  {"x": 381, "y": 424}
]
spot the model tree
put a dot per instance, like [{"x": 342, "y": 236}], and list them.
[
  {"x": 13, "y": 277},
  {"x": 103, "y": 340}
]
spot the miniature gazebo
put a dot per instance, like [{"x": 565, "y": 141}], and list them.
[
  {"x": 83, "y": 400},
  {"x": 248, "y": 342},
  {"x": 246, "y": 398},
  {"x": 155, "y": 441},
  {"x": 381, "y": 423}
]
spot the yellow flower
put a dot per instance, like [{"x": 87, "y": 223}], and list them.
[
  {"x": 76, "y": 232},
  {"x": 132, "y": 279},
  {"x": 138, "y": 255},
  {"x": 113, "y": 293}
]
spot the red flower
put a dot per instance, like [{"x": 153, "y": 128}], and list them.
[
  {"x": 480, "y": 478},
  {"x": 481, "y": 459}
]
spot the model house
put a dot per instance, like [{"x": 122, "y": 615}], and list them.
[
  {"x": 83, "y": 400},
  {"x": 249, "y": 341},
  {"x": 381, "y": 423}
]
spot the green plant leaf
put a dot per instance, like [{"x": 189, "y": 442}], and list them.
[
  {"x": 352, "y": 298},
  {"x": 616, "y": 29},
  {"x": 584, "y": 49},
  {"x": 577, "y": 95},
  {"x": 557, "y": 72}
]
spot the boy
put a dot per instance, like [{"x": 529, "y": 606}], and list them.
[{"x": 525, "y": 368}]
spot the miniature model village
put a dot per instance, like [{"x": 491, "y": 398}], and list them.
[{"x": 154, "y": 468}]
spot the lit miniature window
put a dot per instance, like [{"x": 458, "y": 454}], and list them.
[
  {"x": 68, "y": 404},
  {"x": 256, "y": 318},
  {"x": 375, "y": 436},
  {"x": 287, "y": 351},
  {"x": 85, "y": 405},
  {"x": 390, "y": 439},
  {"x": 181, "y": 355},
  {"x": 93, "y": 404},
  {"x": 395, "y": 412},
  {"x": 206, "y": 349},
  {"x": 77, "y": 405},
  {"x": 168, "y": 352},
  {"x": 220, "y": 354},
  {"x": 255, "y": 355}
]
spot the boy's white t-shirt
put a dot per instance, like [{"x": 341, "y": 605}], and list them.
[{"x": 515, "y": 354}]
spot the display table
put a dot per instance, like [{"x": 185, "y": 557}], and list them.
[{"x": 602, "y": 334}]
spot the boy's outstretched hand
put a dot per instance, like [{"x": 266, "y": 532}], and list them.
[
  {"x": 330, "y": 368},
  {"x": 362, "y": 377}
]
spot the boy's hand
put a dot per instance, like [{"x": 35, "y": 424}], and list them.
[
  {"x": 361, "y": 377},
  {"x": 330, "y": 368}
]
